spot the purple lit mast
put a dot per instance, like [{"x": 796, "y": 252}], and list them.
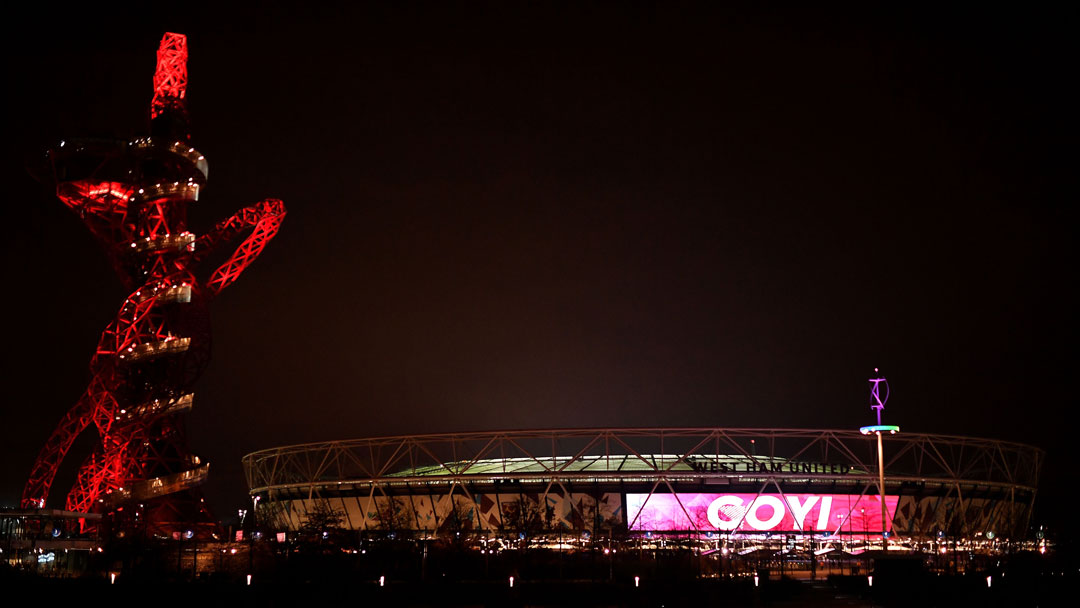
[
  {"x": 875, "y": 394},
  {"x": 877, "y": 404}
]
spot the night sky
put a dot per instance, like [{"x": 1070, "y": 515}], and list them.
[{"x": 598, "y": 215}]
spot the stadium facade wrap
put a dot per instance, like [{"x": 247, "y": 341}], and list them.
[{"x": 640, "y": 482}]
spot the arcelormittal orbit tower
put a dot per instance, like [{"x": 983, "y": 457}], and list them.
[{"x": 134, "y": 196}]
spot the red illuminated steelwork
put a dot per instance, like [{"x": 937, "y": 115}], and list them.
[
  {"x": 134, "y": 196},
  {"x": 170, "y": 78}
]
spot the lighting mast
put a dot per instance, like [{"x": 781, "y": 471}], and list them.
[{"x": 877, "y": 403}]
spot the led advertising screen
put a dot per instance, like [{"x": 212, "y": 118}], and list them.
[{"x": 838, "y": 513}]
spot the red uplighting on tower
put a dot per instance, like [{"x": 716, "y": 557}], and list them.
[
  {"x": 148, "y": 358},
  {"x": 170, "y": 77}
]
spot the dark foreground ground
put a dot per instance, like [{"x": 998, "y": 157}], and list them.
[{"x": 1043, "y": 590}]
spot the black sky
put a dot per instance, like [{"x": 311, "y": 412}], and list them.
[{"x": 534, "y": 215}]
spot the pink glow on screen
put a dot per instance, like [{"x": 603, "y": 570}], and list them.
[{"x": 844, "y": 513}]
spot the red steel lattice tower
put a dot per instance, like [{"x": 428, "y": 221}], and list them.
[
  {"x": 170, "y": 78},
  {"x": 134, "y": 196}
]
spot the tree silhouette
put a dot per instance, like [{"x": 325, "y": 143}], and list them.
[
  {"x": 393, "y": 514},
  {"x": 322, "y": 522},
  {"x": 526, "y": 517}
]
